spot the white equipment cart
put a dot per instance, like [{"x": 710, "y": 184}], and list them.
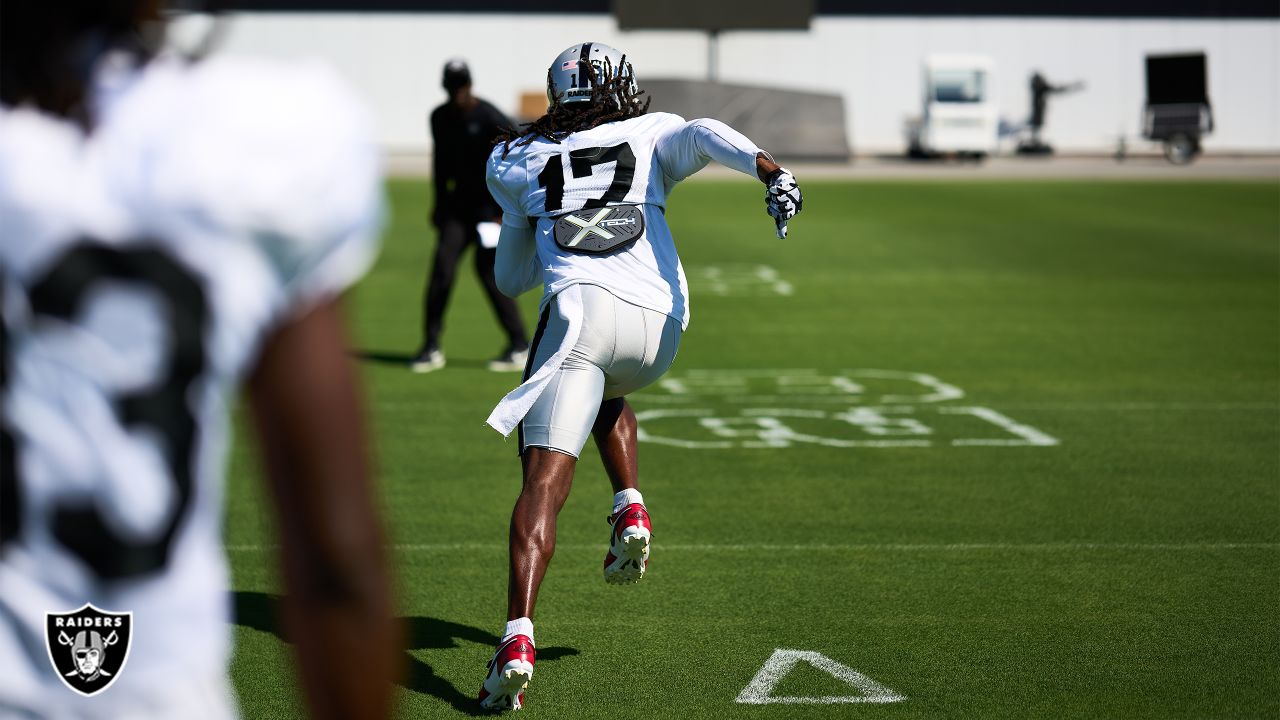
[{"x": 960, "y": 115}]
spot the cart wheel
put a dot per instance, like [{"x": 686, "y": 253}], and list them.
[{"x": 1180, "y": 149}]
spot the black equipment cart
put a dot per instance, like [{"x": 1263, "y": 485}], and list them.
[{"x": 1177, "y": 112}]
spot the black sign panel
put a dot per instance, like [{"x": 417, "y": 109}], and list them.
[
  {"x": 1176, "y": 79},
  {"x": 713, "y": 14},
  {"x": 899, "y": 8}
]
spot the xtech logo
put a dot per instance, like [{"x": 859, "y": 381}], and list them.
[{"x": 88, "y": 647}]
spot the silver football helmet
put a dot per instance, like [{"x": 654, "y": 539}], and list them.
[{"x": 568, "y": 80}]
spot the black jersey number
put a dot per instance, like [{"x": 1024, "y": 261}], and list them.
[
  {"x": 162, "y": 408},
  {"x": 580, "y": 163}
]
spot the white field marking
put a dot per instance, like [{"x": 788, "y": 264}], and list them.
[
  {"x": 750, "y": 372},
  {"x": 768, "y": 432},
  {"x": 819, "y": 384},
  {"x": 873, "y": 421},
  {"x": 1030, "y": 436},
  {"x": 840, "y": 547},
  {"x": 733, "y": 386},
  {"x": 678, "y": 386},
  {"x": 738, "y": 280},
  {"x": 760, "y": 690},
  {"x": 743, "y": 399},
  {"x": 764, "y": 430},
  {"x": 715, "y": 284},
  {"x": 643, "y": 435},
  {"x": 1145, "y": 406},
  {"x": 757, "y": 428},
  {"x": 807, "y": 383},
  {"x": 941, "y": 391},
  {"x": 769, "y": 276},
  {"x": 867, "y": 419},
  {"x": 804, "y": 382},
  {"x": 686, "y": 399}
]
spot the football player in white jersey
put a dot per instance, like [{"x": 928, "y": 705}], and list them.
[
  {"x": 583, "y": 191},
  {"x": 172, "y": 231}
]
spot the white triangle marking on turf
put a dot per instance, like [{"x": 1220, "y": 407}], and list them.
[{"x": 759, "y": 690}]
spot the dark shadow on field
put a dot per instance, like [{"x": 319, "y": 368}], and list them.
[
  {"x": 930, "y": 159},
  {"x": 381, "y": 357},
  {"x": 260, "y": 611}
]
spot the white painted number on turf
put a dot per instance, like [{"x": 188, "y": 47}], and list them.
[
  {"x": 782, "y": 408},
  {"x": 760, "y": 690},
  {"x": 857, "y": 427},
  {"x": 880, "y": 387}
]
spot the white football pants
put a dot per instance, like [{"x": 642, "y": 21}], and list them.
[{"x": 621, "y": 349}]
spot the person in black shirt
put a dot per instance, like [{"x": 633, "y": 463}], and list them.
[
  {"x": 463, "y": 130},
  {"x": 1040, "y": 92}
]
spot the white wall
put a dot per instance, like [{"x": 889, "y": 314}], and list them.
[{"x": 395, "y": 61}]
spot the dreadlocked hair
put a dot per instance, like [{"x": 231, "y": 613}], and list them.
[{"x": 611, "y": 100}]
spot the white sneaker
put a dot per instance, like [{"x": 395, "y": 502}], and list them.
[
  {"x": 510, "y": 361},
  {"x": 427, "y": 361}
]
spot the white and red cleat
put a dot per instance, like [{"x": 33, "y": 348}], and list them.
[
  {"x": 628, "y": 554},
  {"x": 509, "y": 673}
]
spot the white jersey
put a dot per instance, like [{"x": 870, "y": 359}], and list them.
[
  {"x": 636, "y": 161},
  {"x": 142, "y": 267}
]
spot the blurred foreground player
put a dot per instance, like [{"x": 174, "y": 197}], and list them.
[
  {"x": 583, "y": 194},
  {"x": 171, "y": 230}
]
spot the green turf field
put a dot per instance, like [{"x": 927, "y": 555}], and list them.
[{"x": 1006, "y": 450}]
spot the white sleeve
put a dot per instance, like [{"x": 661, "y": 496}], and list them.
[
  {"x": 687, "y": 148},
  {"x": 500, "y": 176},
  {"x": 516, "y": 267}
]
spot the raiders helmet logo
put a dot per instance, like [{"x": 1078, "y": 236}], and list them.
[{"x": 88, "y": 647}]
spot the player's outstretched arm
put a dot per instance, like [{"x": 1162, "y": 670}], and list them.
[
  {"x": 337, "y": 606},
  {"x": 687, "y": 148}
]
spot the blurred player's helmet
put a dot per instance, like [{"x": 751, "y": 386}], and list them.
[
  {"x": 568, "y": 80},
  {"x": 456, "y": 75}
]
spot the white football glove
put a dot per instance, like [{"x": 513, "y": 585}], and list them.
[{"x": 782, "y": 198}]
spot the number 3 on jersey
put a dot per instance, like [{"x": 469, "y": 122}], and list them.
[
  {"x": 581, "y": 162},
  {"x": 162, "y": 408}
]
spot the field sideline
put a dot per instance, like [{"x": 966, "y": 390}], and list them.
[{"x": 980, "y": 450}]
